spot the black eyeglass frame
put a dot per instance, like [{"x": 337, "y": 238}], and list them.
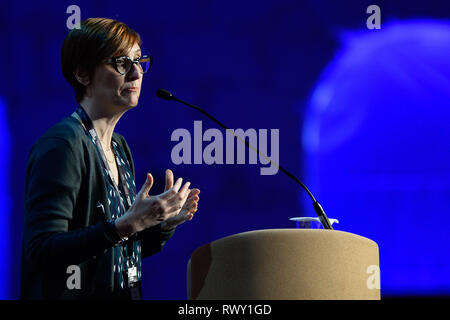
[{"x": 114, "y": 60}]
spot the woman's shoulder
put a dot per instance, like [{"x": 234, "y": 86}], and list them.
[
  {"x": 67, "y": 128},
  {"x": 67, "y": 132}
]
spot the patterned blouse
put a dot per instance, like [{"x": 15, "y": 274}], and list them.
[
  {"x": 121, "y": 252},
  {"x": 122, "y": 255}
]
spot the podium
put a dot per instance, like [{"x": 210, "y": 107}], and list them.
[{"x": 285, "y": 264}]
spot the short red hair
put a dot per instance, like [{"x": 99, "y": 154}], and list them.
[{"x": 85, "y": 48}]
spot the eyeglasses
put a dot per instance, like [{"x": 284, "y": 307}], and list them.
[{"x": 123, "y": 64}]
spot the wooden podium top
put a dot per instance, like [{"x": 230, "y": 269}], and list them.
[{"x": 286, "y": 264}]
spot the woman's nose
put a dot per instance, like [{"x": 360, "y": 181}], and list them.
[{"x": 135, "y": 72}]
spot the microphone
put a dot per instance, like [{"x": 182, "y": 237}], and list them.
[
  {"x": 164, "y": 94},
  {"x": 167, "y": 95}
]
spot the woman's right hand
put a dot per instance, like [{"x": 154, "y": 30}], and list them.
[{"x": 148, "y": 211}]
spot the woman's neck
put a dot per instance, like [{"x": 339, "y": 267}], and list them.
[{"x": 103, "y": 121}]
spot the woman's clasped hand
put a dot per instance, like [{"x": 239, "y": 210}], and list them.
[{"x": 171, "y": 208}]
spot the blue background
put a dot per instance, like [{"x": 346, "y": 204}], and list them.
[{"x": 363, "y": 118}]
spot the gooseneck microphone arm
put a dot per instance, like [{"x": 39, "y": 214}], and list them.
[{"x": 167, "y": 95}]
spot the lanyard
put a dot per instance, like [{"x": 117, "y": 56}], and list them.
[
  {"x": 86, "y": 121},
  {"x": 130, "y": 273}
]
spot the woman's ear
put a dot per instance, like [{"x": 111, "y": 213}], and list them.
[{"x": 81, "y": 77}]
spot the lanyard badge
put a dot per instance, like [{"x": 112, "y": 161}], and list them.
[
  {"x": 132, "y": 276},
  {"x": 131, "y": 272}
]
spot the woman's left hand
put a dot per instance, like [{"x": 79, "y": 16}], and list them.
[
  {"x": 187, "y": 210},
  {"x": 186, "y": 213}
]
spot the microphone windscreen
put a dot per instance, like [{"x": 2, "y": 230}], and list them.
[{"x": 164, "y": 94}]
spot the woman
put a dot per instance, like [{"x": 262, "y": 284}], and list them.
[{"x": 85, "y": 227}]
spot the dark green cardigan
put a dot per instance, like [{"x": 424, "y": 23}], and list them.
[{"x": 62, "y": 224}]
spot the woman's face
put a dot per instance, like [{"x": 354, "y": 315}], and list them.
[{"x": 109, "y": 88}]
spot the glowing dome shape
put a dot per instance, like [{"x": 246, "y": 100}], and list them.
[{"x": 376, "y": 139}]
